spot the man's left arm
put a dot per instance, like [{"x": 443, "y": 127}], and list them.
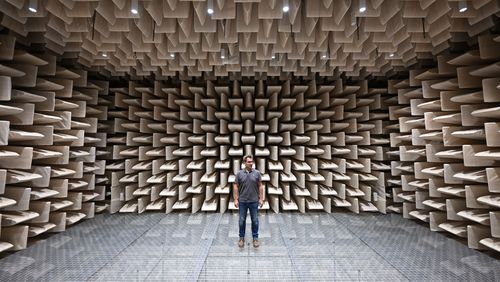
[{"x": 261, "y": 194}]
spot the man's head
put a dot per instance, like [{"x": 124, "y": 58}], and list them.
[{"x": 248, "y": 162}]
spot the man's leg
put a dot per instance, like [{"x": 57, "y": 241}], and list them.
[
  {"x": 254, "y": 208},
  {"x": 243, "y": 207}
]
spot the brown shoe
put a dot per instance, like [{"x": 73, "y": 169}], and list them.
[
  {"x": 256, "y": 243},
  {"x": 241, "y": 242}
]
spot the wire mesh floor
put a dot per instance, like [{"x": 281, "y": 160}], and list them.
[{"x": 294, "y": 247}]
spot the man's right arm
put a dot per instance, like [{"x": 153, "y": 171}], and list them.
[
  {"x": 235, "y": 191},
  {"x": 235, "y": 194}
]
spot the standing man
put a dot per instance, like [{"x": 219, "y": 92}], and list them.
[{"x": 248, "y": 193}]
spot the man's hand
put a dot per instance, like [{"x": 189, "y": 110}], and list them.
[
  {"x": 236, "y": 204},
  {"x": 261, "y": 203}
]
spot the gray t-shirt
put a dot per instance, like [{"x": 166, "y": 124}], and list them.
[{"x": 248, "y": 185}]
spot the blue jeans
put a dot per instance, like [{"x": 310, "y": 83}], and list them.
[{"x": 253, "y": 206}]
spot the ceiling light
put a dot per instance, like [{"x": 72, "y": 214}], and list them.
[
  {"x": 104, "y": 55},
  {"x": 33, "y": 6},
  {"x": 273, "y": 56},
  {"x": 391, "y": 55},
  {"x": 323, "y": 56},
  {"x": 172, "y": 55},
  {"x": 134, "y": 6},
  {"x": 462, "y": 6},
  {"x": 223, "y": 53},
  {"x": 210, "y": 6},
  {"x": 362, "y": 6},
  {"x": 286, "y": 7}
]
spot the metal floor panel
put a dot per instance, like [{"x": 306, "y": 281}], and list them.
[{"x": 294, "y": 247}]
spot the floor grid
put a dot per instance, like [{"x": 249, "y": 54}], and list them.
[{"x": 294, "y": 247}]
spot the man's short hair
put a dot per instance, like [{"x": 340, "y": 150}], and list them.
[{"x": 247, "y": 157}]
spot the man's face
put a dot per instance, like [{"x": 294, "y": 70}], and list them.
[{"x": 248, "y": 163}]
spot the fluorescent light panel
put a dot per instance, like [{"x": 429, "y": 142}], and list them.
[
  {"x": 362, "y": 6},
  {"x": 33, "y": 6},
  {"x": 462, "y": 6},
  {"x": 286, "y": 6},
  {"x": 210, "y": 6},
  {"x": 134, "y": 7}
]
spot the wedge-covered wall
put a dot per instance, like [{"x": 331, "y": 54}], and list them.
[
  {"x": 448, "y": 172},
  {"x": 49, "y": 140},
  {"x": 317, "y": 146}
]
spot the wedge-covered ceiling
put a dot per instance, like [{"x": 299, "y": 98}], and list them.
[{"x": 247, "y": 37}]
